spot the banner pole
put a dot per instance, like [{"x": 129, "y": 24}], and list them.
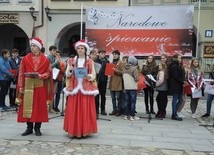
[
  {"x": 198, "y": 27},
  {"x": 81, "y": 20}
]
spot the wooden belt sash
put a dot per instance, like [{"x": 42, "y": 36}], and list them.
[{"x": 30, "y": 84}]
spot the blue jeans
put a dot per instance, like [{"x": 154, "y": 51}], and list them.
[
  {"x": 116, "y": 100},
  {"x": 176, "y": 102},
  {"x": 209, "y": 103},
  {"x": 130, "y": 102}
]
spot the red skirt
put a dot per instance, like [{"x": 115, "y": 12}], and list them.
[{"x": 80, "y": 115}]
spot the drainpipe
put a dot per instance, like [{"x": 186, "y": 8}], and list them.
[
  {"x": 42, "y": 17},
  {"x": 129, "y": 3}
]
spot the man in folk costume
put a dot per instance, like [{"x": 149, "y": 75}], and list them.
[
  {"x": 80, "y": 114},
  {"x": 35, "y": 88}
]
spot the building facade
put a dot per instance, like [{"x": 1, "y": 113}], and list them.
[{"x": 61, "y": 25}]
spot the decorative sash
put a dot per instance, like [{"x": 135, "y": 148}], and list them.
[{"x": 30, "y": 84}]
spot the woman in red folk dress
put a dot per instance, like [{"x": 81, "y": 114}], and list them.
[
  {"x": 80, "y": 114},
  {"x": 35, "y": 85}
]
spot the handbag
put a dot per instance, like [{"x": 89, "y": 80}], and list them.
[
  {"x": 209, "y": 89},
  {"x": 196, "y": 93},
  {"x": 141, "y": 82},
  {"x": 187, "y": 89}
]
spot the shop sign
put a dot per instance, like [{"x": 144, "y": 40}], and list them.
[
  {"x": 9, "y": 18},
  {"x": 209, "y": 50}
]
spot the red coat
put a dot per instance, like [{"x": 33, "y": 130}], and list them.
[{"x": 42, "y": 94}]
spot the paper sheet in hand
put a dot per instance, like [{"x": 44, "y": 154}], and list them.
[
  {"x": 55, "y": 73},
  {"x": 80, "y": 72},
  {"x": 151, "y": 77},
  {"x": 97, "y": 67},
  {"x": 207, "y": 81},
  {"x": 209, "y": 89},
  {"x": 196, "y": 93},
  {"x": 31, "y": 74}
]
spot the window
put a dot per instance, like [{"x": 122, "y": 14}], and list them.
[
  {"x": 106, "y": 0},
  {"x": 84, "y": 0},
  {"x": 4, "y": 1},
  {"x": 25, "y": 1},
  {"x": 144, "y": 2},
  {"x": 198, "y": 1},
  {"x": 60, "y": 0}
]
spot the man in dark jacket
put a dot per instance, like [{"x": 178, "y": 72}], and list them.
[
  {"x": 176, "y": 81},
  {"x": 14, "y": 61},
  {"x": 102, "y": 81}
]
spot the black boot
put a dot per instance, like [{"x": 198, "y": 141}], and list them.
[
  {"x": 37, "y": 129},
  {"x": 152, "y": 110},
  {"x": 158, "y": 115},
  {"x": 147, "y": 109},
  {"x": 29, "y": 129}
]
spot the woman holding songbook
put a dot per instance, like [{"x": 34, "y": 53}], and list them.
[
  {"x": 81, "y": 87},
  {"x": 195, "y": 79},
  {"x": 149, "y": 70}
]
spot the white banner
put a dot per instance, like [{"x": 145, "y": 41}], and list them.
[
  {"x": 146, "y": 17},
  {"x": 142, "y": 30}
]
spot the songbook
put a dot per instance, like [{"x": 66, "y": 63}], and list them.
[
  {"x": 109, "y": 71},
  {"x": 13, "y": 71},
  {"x": 187, "y": 89},
  {"x": 151, "y": 77},
  {"x": 32, "y": 74},
  {"x": 80, "y": 72},
  {"x": 55, "y": 73},
  {"x": 208, "y": 81},
  {"x": 196, "y": 93},
  {"x": 97, "y": 67}
]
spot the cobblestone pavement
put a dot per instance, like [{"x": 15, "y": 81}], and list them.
[
  {"x": 8, "y": 147},
  {"x": 37, "y": 147}
]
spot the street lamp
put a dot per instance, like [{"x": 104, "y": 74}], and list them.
[
  {"x": 47, "y": 11},
  {"x": 32, "y": 10}
]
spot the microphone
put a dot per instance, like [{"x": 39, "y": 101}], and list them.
[{"x": 71, "y": 71}]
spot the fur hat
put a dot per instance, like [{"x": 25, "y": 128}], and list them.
[
  {"x": 132, "y": 60},
  {"x": 82, "y": 43},
  {"x": 37, "y": 42}
]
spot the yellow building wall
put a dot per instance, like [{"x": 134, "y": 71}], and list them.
[{"x": 206, "y": 23}]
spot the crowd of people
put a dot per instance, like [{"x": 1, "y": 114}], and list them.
[{"x": 33, "y": 88}]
